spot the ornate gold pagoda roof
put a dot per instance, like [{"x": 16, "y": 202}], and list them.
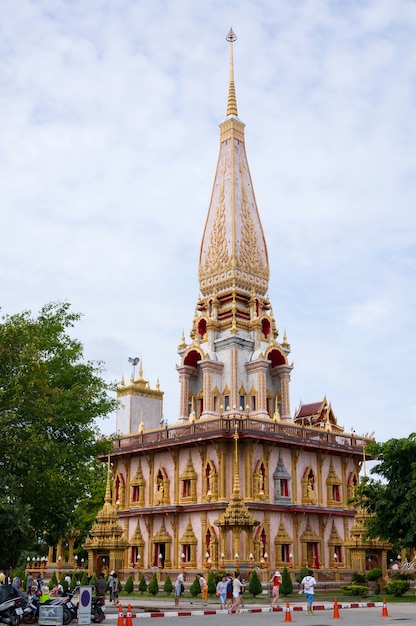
[{"x": 233, "y": 252}]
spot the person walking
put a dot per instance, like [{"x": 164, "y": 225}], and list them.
[
  {"x": 308, "y": 585},
  {"x": 113, "y": 587},
  {"x": 276, "y": 580},
  {"x": 204, "y": 588},
  {"x": 221, "y": 592},
  {"x": 237, "y": 585},
  {"x": 178, "y": 588}
]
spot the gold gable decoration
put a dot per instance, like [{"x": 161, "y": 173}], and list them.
[{"x": 188, "y": 480}]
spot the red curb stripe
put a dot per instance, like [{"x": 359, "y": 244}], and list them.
[
  {"x": 184, "y": 613},
  {"x": 157, "y": 615}
]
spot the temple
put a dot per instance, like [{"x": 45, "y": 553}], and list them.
[{"x": 234, "y": 479}]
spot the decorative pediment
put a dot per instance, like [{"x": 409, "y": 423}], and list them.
[
  {"x": 138, "y": 480},
  {"x": 188, "y": 537},
  {"x": 282, "y": 536},
  {"x": 332, "y": 478},
  {"x": 189, "y": 472},
  {"x": 309, "y": 535},
  {"x": 162, "y": 536}
]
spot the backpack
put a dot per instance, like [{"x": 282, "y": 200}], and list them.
[{"x": 307, "y": 583}]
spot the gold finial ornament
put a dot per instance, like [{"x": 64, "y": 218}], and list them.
[{"x": 232, "y": 100}]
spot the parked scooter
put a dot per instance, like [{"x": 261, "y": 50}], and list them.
[
  {"x": 31, "y": 612},
  {"x": 11, "y": 605},
  {"x": 97, "y": 609}
]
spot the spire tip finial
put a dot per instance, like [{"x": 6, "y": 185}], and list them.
[
  {"x": 231, "y": 35},
  {"x": 232, "y": 101}
]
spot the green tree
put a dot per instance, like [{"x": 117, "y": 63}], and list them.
[
  {"x": 129, "y": 585},
  {"x": 142, "y": 584},
  {"x": 255, "y": 586},
  {"x": 168, "y": 586},
  {"x": 153, "y": 585},
  {"x": 286, "y": 586},
  {"x": 390, "y": 499},
  {"x": 50, "y": 398},
  {"x": 84, "y": 579}
]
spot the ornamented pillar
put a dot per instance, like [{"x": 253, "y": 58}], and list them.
[
  {"x": 185, "y": 373},
  {"x": 209, "y": 368},
  {"x": 284, "y": 374},
  {"x": 260, "y": 367}
]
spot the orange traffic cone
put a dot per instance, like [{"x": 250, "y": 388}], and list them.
[
  {"x": 288, "y": 616},
  {"x": 336, "y": 610},
  {"x": 384, "y": 612},
  {"x": 120, "y": 620},
  {"x": 129, "y": 621}
]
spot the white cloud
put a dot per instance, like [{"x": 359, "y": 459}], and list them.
[{"x": 108, "y": 146}]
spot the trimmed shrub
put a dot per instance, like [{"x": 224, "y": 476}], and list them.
[
  {"x": 358, "y": 579},
  {"x": 195, "y": 588},
  {"x": 142, "y": 584},
  {"x": 168, "y": 587},
  {"x": 153, "y": 585},
  {"x": 304, "y": 571},
  {"x": 354, "y": 590},
  {"x": 286, "y": 586},
  {"x": 212, "y": 585},
  {"x": 63, "y": 582},
  {"x": 84, "y": 579},
  {"x": 402, "y": 574},
  {"x": 374, "y": 574},
  {"x": 74, "y": 581},
  {"x": 129, "y": 585},
  {"x": 53, "y": 581},
  {"x": 398, "y": 587},
  {"x": 254, "y": 586}
]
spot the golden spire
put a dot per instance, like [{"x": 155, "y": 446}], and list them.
[
  {"x": 232, "y": 100},
  {"x": 236, "y": 513},
  {"x": 236, "y": 486},
  {"x": 107, "y": 497}
]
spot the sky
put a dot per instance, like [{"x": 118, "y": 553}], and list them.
[{"x": 109, "y": 114}]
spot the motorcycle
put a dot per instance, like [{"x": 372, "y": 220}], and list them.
[
  {"x": 70, "y": 610},
  {"x": 97, "y": 609},
  {"x": 11, "y": 605},
  {"x": 31, "y": 612}
]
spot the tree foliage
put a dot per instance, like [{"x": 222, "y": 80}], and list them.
[
  {"x": 168, "y": 585},
  {"x": 391, "y": 498},
  {"x": 286, "y": 587},
  {"x": 255, "y": 586},
  {"x": 153, "y": 587},
  {"x": 129, "y": 585},
  {"x": 49, "y": 401},
  {"x": 142, "y": 584}
]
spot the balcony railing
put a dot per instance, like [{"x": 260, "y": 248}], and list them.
[{"x": 246, "y": 426}]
